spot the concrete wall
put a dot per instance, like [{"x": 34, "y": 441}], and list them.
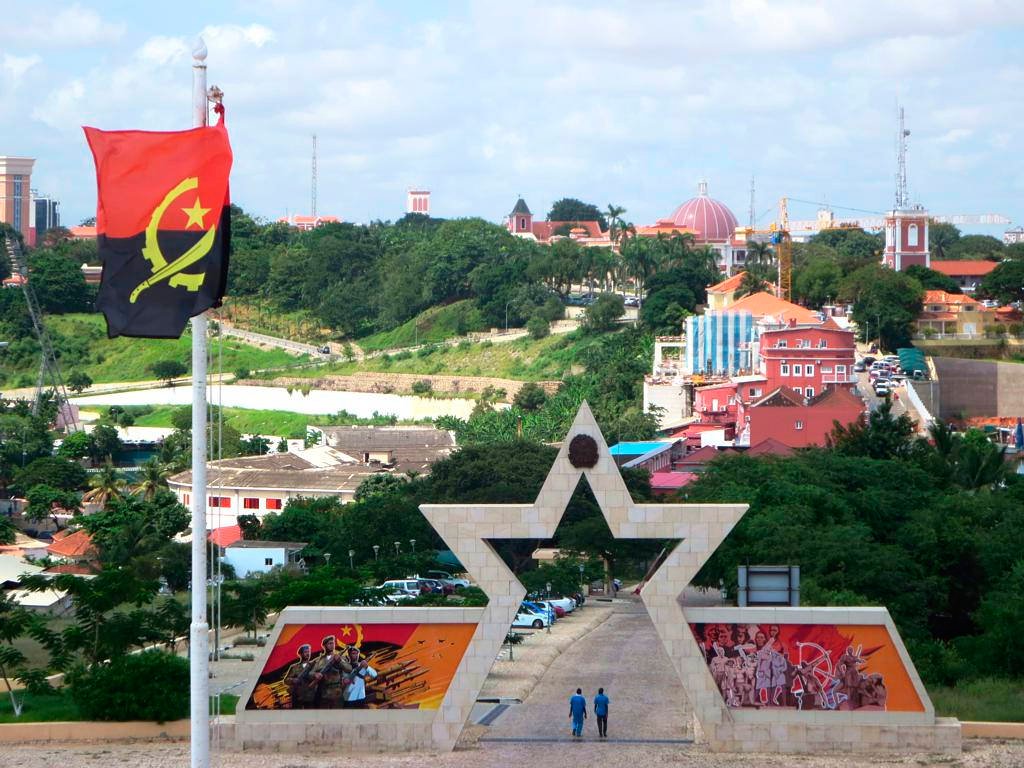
[
  {"x": 246, "y": 560},
  {"x": 976, "y": 388}
]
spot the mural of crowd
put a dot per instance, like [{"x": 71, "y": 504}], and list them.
[
  {"x": 805, "y": 667},
  {"x": 361, "y": 666}
]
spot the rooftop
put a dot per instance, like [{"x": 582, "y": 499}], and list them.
[
  {"x": 729, "y": 285},
  {"x": 71, "y": 544},
  {"x": 764, "y": 304},
  {"x": 964, "y": 268},
  {"x": 638, "y": 448},
  {"x": 246, "y": 544}
]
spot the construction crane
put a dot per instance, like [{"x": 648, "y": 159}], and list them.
[
  {"x": 778, "y": 235},
  {"x": 49, "y": 368},
  {"x": 828, "y": 220}
]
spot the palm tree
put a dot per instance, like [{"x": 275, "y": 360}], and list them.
[
  {"x": 706, "y": 256},
  {"x": 759, "y": 253},
  {"x": 614, "y": 216},
  {"x": 105, "y": 485},
  {"x": 152, "y": 477}
]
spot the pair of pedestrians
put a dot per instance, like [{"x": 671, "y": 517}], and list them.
[{"x": 578, "y": 713}]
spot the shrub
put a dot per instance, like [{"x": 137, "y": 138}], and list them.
[
  {"x": 603, "y": 315},
  {"x": 426, "y": 351},
  {"x": 530, "y": 397},
  {"x": 538, "y": 327},
  {"x": 464, "y": 345},
  {"x": 552, "y": 309},
  {"x": 152, "y": 686},
  {"x": 242, "y": 373},
  {"x": 486, "y": 344},
  {"x": 422, "y": 387},
  {"x": 405, "y": 354},
  {"x": 999, "y": 329},
  {"x": 1016, "y": 330}
]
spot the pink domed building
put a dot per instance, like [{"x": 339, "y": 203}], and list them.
[{"x": 710, "y": 222}]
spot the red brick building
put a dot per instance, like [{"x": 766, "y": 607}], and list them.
[
  {"x": 808, "y": 357},
  {"x": 797, "y": 421}
]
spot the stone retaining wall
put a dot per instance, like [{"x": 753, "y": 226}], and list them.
[{"x": 401, "y": 383}]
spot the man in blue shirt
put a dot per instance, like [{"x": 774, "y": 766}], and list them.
[
  {"x": 601, "y": 713},
  {"x": 578, "y": 712}
]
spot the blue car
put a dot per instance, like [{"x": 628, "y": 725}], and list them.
[{"x": 540, "y": 610}]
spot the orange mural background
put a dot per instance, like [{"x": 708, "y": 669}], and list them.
[{"x": 415, "y": 662}]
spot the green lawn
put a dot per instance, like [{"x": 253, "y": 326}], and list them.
[
  {"x": 548, "y": 359},
  {"x": 82, "y": 343},
  {"x": 60, "y": 708},
  {"x": 251, "y": 421},
  {"x": 990, "y": 699}
]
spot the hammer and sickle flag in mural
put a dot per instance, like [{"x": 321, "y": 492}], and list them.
[{"x": 162, "y": 226}]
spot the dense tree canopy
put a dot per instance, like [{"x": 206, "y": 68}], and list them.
[
  {"x": 571, "y": 209},
  {"x": 885, "y": 304},
  {"x": 1005, "y": 283}
]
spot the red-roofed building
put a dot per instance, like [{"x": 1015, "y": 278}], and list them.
[
  {"x": 521, "y": 224},
  {"x": 769, "y": 447},
  {"x": 722, "y": 295},
  {"x": 767, "y": 305},
  {"x": 306, "y": 223},
  {"x": 72, "y": 546},
  {"x": 954, "y": 315},
  {"x": 83, "y": 232},
  {"x": 797, "y": 421},
  {"x": 664, "y": 483},
  {"x": 225, "y": 536},
  {"x": 968, "y": 274}
]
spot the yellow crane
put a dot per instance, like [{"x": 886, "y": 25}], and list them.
[{"x": 778, "y": 235}]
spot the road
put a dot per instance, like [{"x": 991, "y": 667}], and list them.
[{"x": 625, "y": 657}]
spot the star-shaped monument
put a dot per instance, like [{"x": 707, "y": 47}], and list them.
[
  {"x": 195, "y": 214},
  {"x": 467, "y": 529}
]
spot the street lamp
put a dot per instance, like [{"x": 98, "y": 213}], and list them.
[
  {"x": 398, "y": 548},
  {"x": 506, "y": 315},
  {"x": 581, "y": 579},
  {"x": 351, "y": 559},
  {"x": 412, "y": 543},
  {"x": 376, "y": 551},
  {"x": 327, "y": 559}
]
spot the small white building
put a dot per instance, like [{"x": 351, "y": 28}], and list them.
[{"x": 249, "y": 557}]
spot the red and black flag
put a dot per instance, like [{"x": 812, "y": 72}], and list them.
[{"x": 162, "y": 226}]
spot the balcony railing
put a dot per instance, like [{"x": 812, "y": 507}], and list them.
[{"x": 838, "y": 378}]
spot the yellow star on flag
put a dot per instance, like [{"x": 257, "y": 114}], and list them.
[{"x": 195, "y": 214}]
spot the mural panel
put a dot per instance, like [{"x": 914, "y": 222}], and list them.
[
  {"x": 807, "y": 667},
  {"x": 361, "y": 666}
]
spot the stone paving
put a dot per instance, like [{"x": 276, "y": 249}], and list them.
[{"x": 625, "y": 657}]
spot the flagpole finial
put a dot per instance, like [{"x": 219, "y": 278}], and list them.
[{"x": 199, "y": 49}]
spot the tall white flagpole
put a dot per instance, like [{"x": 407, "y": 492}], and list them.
[{"x": 199, "y": 650}]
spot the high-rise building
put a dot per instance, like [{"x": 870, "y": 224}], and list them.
[
  {"x": 47, "y": 213},
  {"x": 15, "y": 195},
  {"x": 418, "y": 201}
]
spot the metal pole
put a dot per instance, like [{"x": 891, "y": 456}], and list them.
[{"x": 199, "y": 652}]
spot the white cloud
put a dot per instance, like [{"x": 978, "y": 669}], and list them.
[
  {"x": 15, "y": 67},
  {"x": 58, "y": 26},
  {"x": 955, "y": 135}
]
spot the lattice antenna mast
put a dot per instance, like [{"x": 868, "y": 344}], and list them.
[
  {"x": 313, "y": 178},
  {"x": 49, "y": 368},
  {"x": 902, "y": 196},
  {"x": 752, "y": 216}
]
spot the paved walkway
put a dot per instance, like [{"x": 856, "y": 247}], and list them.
[{"x": 625, "y": 657}]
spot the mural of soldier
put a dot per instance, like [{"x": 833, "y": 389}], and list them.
[{"x": 302, "y": 686}]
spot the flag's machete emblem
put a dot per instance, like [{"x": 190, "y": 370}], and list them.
[{"x": 173, "y": 272}]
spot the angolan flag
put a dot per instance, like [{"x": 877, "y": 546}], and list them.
[{"x": 162, "y": 224}]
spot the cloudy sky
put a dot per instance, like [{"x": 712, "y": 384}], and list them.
[{"x": 613, "y": 102}]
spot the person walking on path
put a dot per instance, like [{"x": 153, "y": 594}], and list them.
[
  {"x": 578, "y": 712},
  {"x": 601, "y": 713}
]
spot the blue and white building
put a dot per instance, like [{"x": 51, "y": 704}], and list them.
[{"x": 719, "y": 342}]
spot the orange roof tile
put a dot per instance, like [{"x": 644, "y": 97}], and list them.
[
  {"x": 941, "y": 297},
  {"x": 763, "y": 304},
  {"x": 964, "y": 268},
  {"x": 83, "y": 233},
  {"x": 225, "y": 536},
  {"x": 77, "y": 544},
  {"x": 728, "y": 285}
]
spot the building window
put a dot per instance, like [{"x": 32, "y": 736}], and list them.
[
  {"x": 799, "y": 425},
  {"x": 273, "y": 503},
  {"x": 250, "y": 503},
  {"x": 810, "y": 391},
  {"x": 805, "y": 343},
  {"x": 798, "y": 390},
  {"x": 781, "y": 344},
  {"x": 822, "y": 343},
  {"x": 522, "y": 223},
  {"x": 268, "y": 561},
  {"x": 747, "y": 418},
  {"x": 808, "y": 370},
  {"x": 912, "y": 236},
  {"x": 220, "y": 501},
  {"x": 797, "y": 369},
  {"x": 732, "y": 400},
  {"x": 784, "y": 370},
  {"x": 186, "y": 499},
  {"x": 826, "y": 369},
  {"x": 756, "y": 392}
]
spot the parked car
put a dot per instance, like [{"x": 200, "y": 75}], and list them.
[
  {"x": 435, "y": 586},
  {"x": 568, "y": 604},
  {"x": 859, "y": 366},
  {"x": 882, "y": 388},
  {"x": 542, "y": 609},
  {"x": 412, "y": 586},
  {"x": 632, "y": 301},
  {"x": 458, "y": 582},
  {"x": 558, "y": 610},
  {"x": 530, "y": 619},
  {"x": 325, "y": 350}
]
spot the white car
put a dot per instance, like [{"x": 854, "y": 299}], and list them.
[
  {"x": 530, "y": 619},
  {"x": 412, "y": 586}
]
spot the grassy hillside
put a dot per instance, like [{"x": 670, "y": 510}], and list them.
[
  {"x": 524, "y": 359},
  {"x": 82, "y": 344},
  {"x": 429, "y": 327}
]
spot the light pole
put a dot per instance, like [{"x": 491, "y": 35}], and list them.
[
  {"x": 398, "y": 548},
  {"x": 376, "y": 552},
  {"x": 581, "y": 579},
  {"x": 327, "y": 559},
  {"x": 351, "y": 559},
  {"x": 412, "y": 543},
  {"x": 506, "y": 315}
]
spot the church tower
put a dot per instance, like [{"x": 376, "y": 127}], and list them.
[
  {"x": 520, "y": 221},
  {"x": 906, "y": 225}
]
